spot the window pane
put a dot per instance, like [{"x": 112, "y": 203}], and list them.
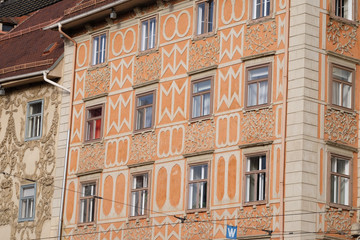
[
  {"x": 256, "y": 8},
  {"x": 97, "y": 129},
  {"x": 206, "y": 104},
  {"x": 210, "y": 14},
  {"x": 134, "y": 203},
  {"x": 102, "y": 49},
  {"x": 144, "y": 35},
  {"x": 23, "y": 208},
  {"x": 266, "y": 8},
  {"x": 334, "y": 189},
  {"x": 342, "y": 166},
  {"x": 198, "y": 172},
  {"x": 250, "y": 187},
  {"x": 252, "y": 94},
  {"x": 258, "y": 73},
  {"x": 148, "y": 117},
  {"x": 202, "y": 86},
  {"x": 348, "y": 9},
  {"x": 344, "y": 191},
  {"x": 192, "y": 195},
  {"x": 35, "y": 108},
  {"x": 346, "y": 96},
  {"x": 263, "y": 92},
  {"x": 254, "y": 163},
  {"x": 140, "y": 181},
  {"x": 261, "y": 187},
  {"x": 96, "y": 112},
  {"x": 91, "y": 210},
  {"x": 82, "y": 210},
  {"x": 28, "y": 192},
  {"x": 145, "y": 100},
  {"x": 152, "y": 33},
  {"x": 342, "y": 74},
  {"x": 196, "y": 106},
  {"x": 202, "y": 195},
  {"x": 336, "y": 93},
  {"x": 143, "y": 201},
  {"x": 201, "y": 18},
  {"x": 88, "y": 190},
  {"x": 95, "y": 50},
  {"x": 140, "y": 118}
]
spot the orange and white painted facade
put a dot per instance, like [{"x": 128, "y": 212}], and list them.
[{"x": 298, "y": 130}]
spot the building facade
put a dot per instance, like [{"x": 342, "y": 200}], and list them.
[
  {"x": 189, "y": 116},
  {"x": 33, "y": 124}
]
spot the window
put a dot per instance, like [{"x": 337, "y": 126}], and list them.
[
  {"x": 342, "y": 86},
  {"x": 87, "y": 202},
  {"x": 144, "y": 111},
  {"x": 198, "y": 186},
  {"x": 260, "y": 8},
  {"x": 27, "y": 202},
  {"x": 340, "y": 180},
  {"x": 99, "y": 49},
  {"x": 205, "y": 17},
  {"x": 34, "y": 119},
  {"x": 94, "y": 116},
  {"x": 139, "y": 195},
  {"x": 258, "y": 82},
  {"x": 201, "y": 98},
  {"x": 148, "y": 34},
  {"x": 255, "y": 178},
  {"x": 344, "y": 9}
]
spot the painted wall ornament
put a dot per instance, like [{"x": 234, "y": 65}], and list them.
[
  {"x": 261, "y": 37},
  {"x": 143, "y": 147},
  {"x": 255, "y": 219},
  {"x": 97, "y": 81},
  {"x": 340, "y": 126},
  {"x": 337, "y": 221},
  {"x": 147, "y": 68},
  {"x": 257, "y": 125},
  {"x": 200, "y": 136},
  {"x": 342, "y": 36},
  {"x": 92, "y": 157},
  {"x": 204, "y": 53}
]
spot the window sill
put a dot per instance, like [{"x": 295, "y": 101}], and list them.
[
  {"x": 201, "y": 118},
  {"x": 147, "y": 52},
  {"x": 23, "y": 220},
  {"x": 203, "y": 36},
  {"x": 143, "y": 131},
  {"x": 339, "y": 207},
  {"x": 97, "y": 66},
  {"x": 197, "y": 211},
  {"x": 341, "y": 109},
  {"x": 137, "y": 218},
  {"x": 201, "y": 70},
  {"x": 144, "y": 84},
  {"x": 255, "y": 203},
  {"x": 257, "y": 108},
  {"x": 91, "y": 142},
  {"x": 258, "y": 144},
  {"x": 87, "y": 224},
  {"x": 32, "y": 139},
  {"x": 260, "y": 20},
  {"x": 353, "y": 23}
]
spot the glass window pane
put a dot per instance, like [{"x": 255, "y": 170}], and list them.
[
  {"x": 148, "y": 117},
  {"x": 258, "y": 73},
  {"x": 192, "y": 195},
  {"x": 23, "y": 208},
  {"x": 266, "y": 8},
  {"x": 336, "y": 93},
  {"x": 210, "y": 14},
  {"x": 95, "y": 51},
  {"x": 343, "y": 166},
  {"x": 202, "y": 195},
  {"x": 202, "y": 86},
  {"x": 96, "y": 112},
  {"x": 250, "y": 187},
  {"x": 206, "y": 104},
  {"x": 28, "y": 192},
  {"x": 342, "y": 74},
  {"x": 35, "y": 108},
  {"x": 252, "y": 94},
  {"x": 261, "y": 187},
  {"x": 334, "y": 189},
  {"x": 145, "y": 100},
  {"x": 135, "y": 204},
  {"x": 199, "y": 172},
  {"x": 152, "y": 33},
  {"x": 196, "y": 106},
  {"x": 263, "y": 92},
  {"x": 344, "y": 191},
  {"x": 140, "y": 118},
  {"x": 144, "y": 36},
  {"x": 346, "y": 96},
  {"x": 201, "y": 18}
]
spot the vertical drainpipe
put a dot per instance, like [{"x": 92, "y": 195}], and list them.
[
  {"x": 68, "y": 133},
  {"x": 284, "y": 121}
]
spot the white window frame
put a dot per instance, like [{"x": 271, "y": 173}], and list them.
[
  {"x": 144, "y": 209},
  {"x": 99, "y": 49},
  {"x": 148, "y": 39},
  {"x": 27, "y": 199},
  {"x": 190, "y": 197},
  {"x": 29, "y": 118},
  {"x": 91, "y": 199}
]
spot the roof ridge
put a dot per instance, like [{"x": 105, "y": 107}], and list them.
[
  {"x": 26, "y": 66},
  {"x": 81, "y": 6},
  {"x": 28, "y": 30}
]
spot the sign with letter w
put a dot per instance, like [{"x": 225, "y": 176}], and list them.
[{"x": 231, "y": 232}]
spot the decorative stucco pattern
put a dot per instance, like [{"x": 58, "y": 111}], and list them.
[
  {"x": 342, "y": 36},
  {"x": 257, "y": 125},
  {"x": 260, "y": 37},
  {"x": 204, "y": 53},
  {"x": 200, "y": 136},
  {"x": 340, "y": 126}
]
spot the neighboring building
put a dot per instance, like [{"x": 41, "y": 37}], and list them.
[
  {"x": 33, "y": 125},
  {"x": 188, "y": 116}
]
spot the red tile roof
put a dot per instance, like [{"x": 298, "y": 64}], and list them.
[{"x": 22, "y": 50}]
